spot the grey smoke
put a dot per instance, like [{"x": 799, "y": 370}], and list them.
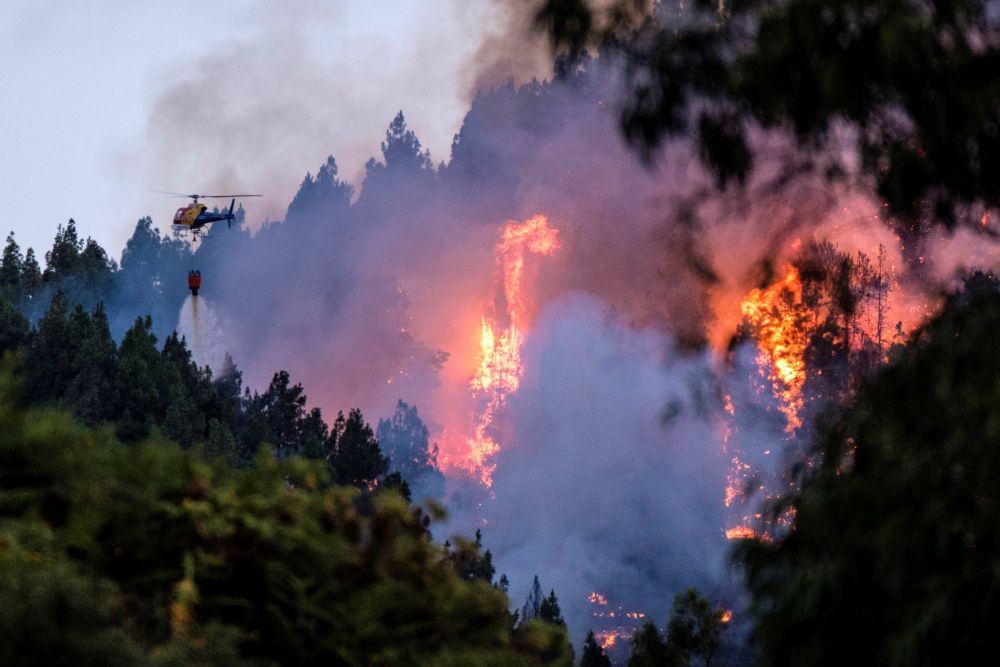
[
  {"x": 612, "y": 472},
  {"x": 612, "y": 477}
]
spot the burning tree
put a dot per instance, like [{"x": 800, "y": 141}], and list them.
[
  {"x": 895, "y": 532},
  {"x": 819, "y": 333},
  {"x": 499, "y": 372}
]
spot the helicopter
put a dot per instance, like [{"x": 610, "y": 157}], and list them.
[{"x": 195, "y": 215}]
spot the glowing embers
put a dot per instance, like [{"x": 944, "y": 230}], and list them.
[
  {"x": 740, "y": 533},
  {"x": 780, "y": 325},
  {"x": 597, "y": 599},
  {"x": 608, "y": 638},
  {"x": 776, "y": 318},
  {"x": 499, "y": 371},
  {"x": 625, "y": 622}
]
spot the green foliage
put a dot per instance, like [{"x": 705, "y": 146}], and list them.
[
  {"x": 549, "y": 611},
  {"x": 152, "y": 279},
  {"x": 137, "y": 381},
  {"x": 11, "y": 265},
  {"x": 694, "y": 628},
  {"x": 470, "y": 561},
  {"x": 51, "y": 357},
  {"x": 533, "y": 603},
  {"x": 31, "y": 276},
  {"x": 14, "y": 327},
  {"x": 221, "y": 443},
  {"x": 541, "y": 612},
  {"x": 650, "y": 650},
  {"x": 90, "y": 392},
  {"x": 693, "y": 634},
  {"x": 282, "y": 408},
  {"x": 148, "y": 554},
  {"x": 65, "y": 253},
  {"x": 895, "y": 535},
  {"x": 53, "y": 614},
  {"x": 355, "y": 458}
]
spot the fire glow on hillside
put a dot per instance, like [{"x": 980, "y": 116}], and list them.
[{"x": 499, "y": 371}]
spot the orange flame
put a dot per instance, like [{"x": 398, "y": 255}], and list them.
[
  {"x": 726, "y": 616},
  {"x": 775, "y": 315},
  {"x": 777, "y": 319},
  {"x": 597, "y": 598},
  {"x": 740, "y": 533},
  {"x": 608, "y": 638},
  {"x": 499, "y": 372}
]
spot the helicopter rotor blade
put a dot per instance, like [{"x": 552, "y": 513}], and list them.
[
  {"x": 225, "y": 196},
  {"x": 181, "y": 194},
  {"x": 175, "y": 194}
]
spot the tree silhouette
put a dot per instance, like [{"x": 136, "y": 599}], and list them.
[
  {"x": 593, "y": 655},
  {"x": 912, "y": 82},
  {"x": 355, "y": 457},
  {"x": 694, "y": 627},
  {"x": 404, "y": 440},
  {"x": 917, "y": 451}
]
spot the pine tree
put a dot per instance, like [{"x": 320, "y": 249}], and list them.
[
  {"x": 283, "y": 409},
  {"x": 221, "y": 443},
  {"x": 11, "y": 265},
  {"x": 322, "y": 197},
  {"x": 401, "y": 148},
  {"x": 49, "y": 366},
  {"x": 137, "y": 381},
  {"x": 182, "y": 421},
  {"x": 533, "y": 603},
  {"x": 313, "y": 435},
  {"x": 65, "y": 254},
  {"x": 694, "y": 627},
  {"x": 549, "y": 611},
  {"x": 471, "y": 562},
  {"x": 404, "y": 440},
  {"x": 91, "y": 390},
  {"x": 195, "y": 391},
  {"x": 649, "y": 649},
  {"x": 153, "y": 276},
  {"x": 227, "y": 390},
  {"x": 395, "y": 481},
  {"x": 14, "y": 328},
  {"x": 31, "y": 275},
  {"x": 356, "y": 458},
  {"x": 593, "y": 654}
]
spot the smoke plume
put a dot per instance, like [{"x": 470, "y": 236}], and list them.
[{"x": 611, "y": 473}]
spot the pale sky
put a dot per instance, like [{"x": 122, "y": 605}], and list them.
[{"x": 108, "y": 100}]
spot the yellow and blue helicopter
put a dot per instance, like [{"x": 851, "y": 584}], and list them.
[{"x": 196, "y": 215}]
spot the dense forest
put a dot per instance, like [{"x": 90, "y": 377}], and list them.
[{"x": 154, "y": 510}]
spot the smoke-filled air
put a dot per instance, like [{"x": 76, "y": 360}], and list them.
[{"x": 609, "y": 357}]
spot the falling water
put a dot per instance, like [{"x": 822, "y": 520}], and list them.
[{"x": 201, "y": 328}]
